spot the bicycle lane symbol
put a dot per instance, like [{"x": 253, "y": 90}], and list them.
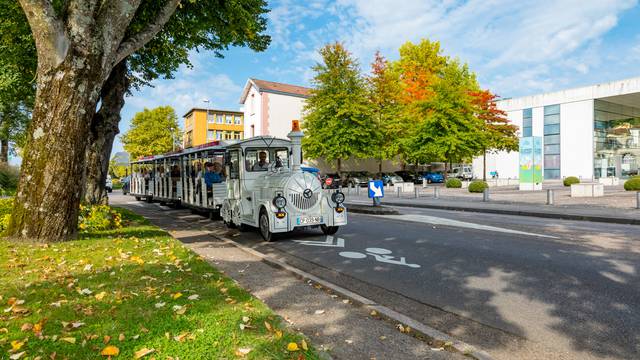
[{"x": 381, "y": 255}]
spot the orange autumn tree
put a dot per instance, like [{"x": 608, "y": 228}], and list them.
[{"x": 498, "y": 134}]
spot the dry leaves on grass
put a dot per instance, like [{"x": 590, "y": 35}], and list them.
[{"x": 142, "y": 353}]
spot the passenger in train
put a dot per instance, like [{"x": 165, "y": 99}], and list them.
[
  {"x": 262, "y": 163},
  {"x": 175, "y": 178},
  {"x": 213, "y": 174}
]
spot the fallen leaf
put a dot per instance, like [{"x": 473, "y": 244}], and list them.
[
  {"x": 268, "y": 326},
  {"x": 144, "y": 329},
  {"x": 100, "y": 296},
  {"x": 16, "y": 309},
  {"x": 304, "y": 345},
  {"x": 245, "y": 319},
  {"x": 180, "y": 338},
  {"x": 86, "y": 292},
  {"x": 17, "y": 356},
  {"x": 373, "y": 313},
  {"x": 106, "y": 339},
  {"x": 26, "y": 327},
  {"x": 278, "y": 334},
  {"x": 194, "y": 297},
  {"x": 70, "y": 340},
  {"x": 319, "y": 312},
  {"x": 121, "y": 337},
  {"x": 142, "y": 352},
  {"x": 349, "y": 341},
  {"x": 243, "y": 351},
  {"x": 383, "y": 337},
  {"x": 16, "y": 345},
  {"x": 76, "y": 324},
  {"x": 159, "y": 305},
  {"x": 292, "y": 346},
  {"x": 110, "y": 351},
  {"x": 176, "y": 295}
]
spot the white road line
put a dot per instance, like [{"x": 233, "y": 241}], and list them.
[
  {"x": 327, "y": 243},
  {"x": 426, "y": 219}
]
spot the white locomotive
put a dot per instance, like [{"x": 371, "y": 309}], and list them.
[
  {"x": 267, "y": 189},
  {"x": 263, "y": 185}
]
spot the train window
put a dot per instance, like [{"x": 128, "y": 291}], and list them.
[
  {"x": 261, "y": 159},
  {"x": 234, "y": 164}
]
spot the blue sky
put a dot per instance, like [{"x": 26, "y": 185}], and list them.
[{"x": 515, "y": 47}]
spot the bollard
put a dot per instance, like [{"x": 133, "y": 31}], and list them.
[
  {"x": 358, "y": 190},
  {"x": 398, "y": 191},
  {"x": 638, "y": 200},
  {"x": 436, "y": 192},
  {"x": 549, "y": 197},
  {"x": 485, "y": 195},
  {"x": 416, "y": 191}
]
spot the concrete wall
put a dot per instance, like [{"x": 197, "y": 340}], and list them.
[
  {"x": 283, "y": 109},
  {"x": 576, "y": 139},
  {"x": 505, "y": 163}
]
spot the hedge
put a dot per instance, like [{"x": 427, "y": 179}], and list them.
[
  {"x": 478, "y": 186},
  {"x": 568, "y": 181},
  {"x": 632, "y": 184},
  {"x": 453, "y": 183}
]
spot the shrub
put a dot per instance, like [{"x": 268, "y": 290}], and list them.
[
  {"x": 98, "y": 217},
  {"x": 6, "y": 205},
  {"x": 453, "y": 183},
  {"x": 8, "y": 179},
  {"x": 632, "y": 184},
  {"x": 478, "y": 186},
  {"x": 568, "y": 181}
]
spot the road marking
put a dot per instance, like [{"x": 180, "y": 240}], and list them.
[
  {"x": 426, "y": 219},
  {"x": 380, "y": 254},
  {"x": 327, "y": 243}
]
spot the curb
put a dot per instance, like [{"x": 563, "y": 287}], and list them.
[
  {"x": 423, "y": 329},
  {"x": 564, "y": 216},
  {"x": 371, "y": 210}
]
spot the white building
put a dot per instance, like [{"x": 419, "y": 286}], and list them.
[
  {"x": 269, "y": 107},
  {"x": 588, "y": 132}
]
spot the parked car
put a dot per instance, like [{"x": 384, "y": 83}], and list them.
[
  {"x": 109, "y": 184},
  {"x": 390, "y": 179},
  {"x": 461, "y": 172},
  {"x": 407, "y": 176},
  {"x": 357, "y": 178},
  {"x": 433, "y": 177}
]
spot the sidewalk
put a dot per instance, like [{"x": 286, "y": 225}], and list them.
[
  {"x": 337, "y": 328},
  {"x": 509, "y": 202}
]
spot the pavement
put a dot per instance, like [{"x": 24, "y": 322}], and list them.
[
  {"x": 336, "y": 326},
  {"x": 517, "y": 287},
  {"x": 515, "y": 204}
]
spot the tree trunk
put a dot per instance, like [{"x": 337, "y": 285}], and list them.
[
  {"x": 48, "y": 195},
  {"x": 104, "y": 128},
  {"x": 484, "y": 164},
  {"x": 4, "y": 151}
]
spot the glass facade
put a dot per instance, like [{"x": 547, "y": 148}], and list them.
[
  {"x": 527, "y": 123},
  {"x": 552, "y": 142},
  {"x": 616, "y": 139}
]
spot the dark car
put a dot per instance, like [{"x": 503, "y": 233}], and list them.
[
  {"x": 433, "y": 177},
  {"x": 356, "y": 178},
  {"x": 407, "y": 176},
  {"x": 333, "y": 183}
]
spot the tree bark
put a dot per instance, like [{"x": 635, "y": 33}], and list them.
[
  {"x": 48, "y": 195},
  {"x": 4, "y": 151},
  {"x": 104, "y": 128}
]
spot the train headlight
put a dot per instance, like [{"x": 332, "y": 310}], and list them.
[
  {"x": 338, "y": 197},
  {"x": 280, "y": 202}
]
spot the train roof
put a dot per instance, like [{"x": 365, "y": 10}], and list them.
[{"x": 268, "y": 141}]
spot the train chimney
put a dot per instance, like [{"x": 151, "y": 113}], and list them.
[{"x": 296, "y": 148}]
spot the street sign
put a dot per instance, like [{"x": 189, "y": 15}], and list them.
[
  {"x": 328, "y": 181},
  {"x": 376, "y": 189}
]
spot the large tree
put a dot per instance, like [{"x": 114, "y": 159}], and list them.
[
  {"x": 78, "y": 45},
  {"x": 154, "y": 131},
  {"x": 498, "y": 134},
  {"x": 384, "y": 96},
  {"x": 337, "y": 119}
]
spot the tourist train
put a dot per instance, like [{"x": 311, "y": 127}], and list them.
[{"x": 256, "y": 182}]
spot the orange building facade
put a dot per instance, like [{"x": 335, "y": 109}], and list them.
[{"x": 205, "y": 125}]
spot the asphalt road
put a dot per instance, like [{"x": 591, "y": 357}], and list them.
[{"x": 519, "y": 287}]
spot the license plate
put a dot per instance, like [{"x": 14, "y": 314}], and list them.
[{"x": 309, "y": 220}]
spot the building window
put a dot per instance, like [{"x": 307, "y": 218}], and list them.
[
  {"x": 238, "y": 120},
  {"x": 220, "y": 119},
  {"x": 527, "y": 123},
  {"x": 616, "y": 140},
  {"x": 252, "y": 104},
  {"x": 218, "y": 135},
  {"x": 211, "y": 118},
  {"x": 253, "y": 130},
  {"x": 552, "y": 142},
  {"x": 229, "y": 119},
  {"x": 211, "y": 134}
]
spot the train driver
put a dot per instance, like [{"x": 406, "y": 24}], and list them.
[{"x": 262, "y": 163}]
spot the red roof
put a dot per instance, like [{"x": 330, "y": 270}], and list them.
[{"x": 284, "y": 88}]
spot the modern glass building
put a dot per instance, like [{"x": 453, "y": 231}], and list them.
[{"x": 589, "y": 132}]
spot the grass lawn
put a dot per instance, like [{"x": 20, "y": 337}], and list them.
[{"x": 132, "y": 291}]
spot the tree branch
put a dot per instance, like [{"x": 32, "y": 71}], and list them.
[
  {"x": 135, "y": 42},
  {"x": 51, "y": 40}
]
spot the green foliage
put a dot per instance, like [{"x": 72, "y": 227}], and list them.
[
  {"x": 6, "y": 205},
  {"x": 632, "y": 184},
  {"x": 453, "y": 183},
  {"x": 568, "y": 181},
  {"x": 338, "y": 114},
  {"x": 8, "y": 179},
  {"x": 98, "y": 218},
  {"x": 152, "y": 132},
  {"x": 478, "y": 186}
]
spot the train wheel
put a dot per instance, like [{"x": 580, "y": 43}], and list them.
[
  {"x": 267, "y": 235},
  {"x": 329, "y": 230}
]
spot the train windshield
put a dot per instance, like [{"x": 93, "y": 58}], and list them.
[{"x": 260, "y": 159}]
